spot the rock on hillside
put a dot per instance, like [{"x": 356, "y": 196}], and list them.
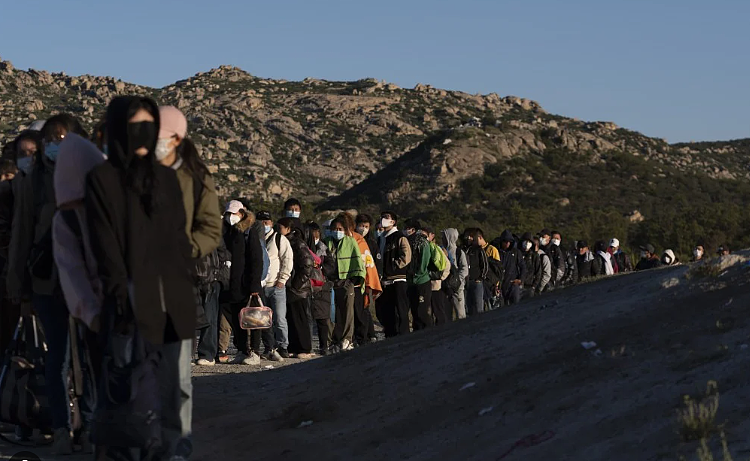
[{"x": 269, "y": 139}]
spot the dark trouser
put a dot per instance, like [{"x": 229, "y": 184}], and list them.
[
  {"x": 362, "y": 317},
  {"x": 267, "y": 335},
  {"x": 420, "y": 298},
  {"x": 371, "y": 321},
  {"x": 209, "y": 340},
  {"x": 324, "y": 333},
  {"x": 528, "y": 293},
  {"x": 512, "y": 294},
  {"x": 300, "y": 340},
  {"x": 9, "y": 315},
  {"x": 240, "y": 335},
  {"x": 344, "y": 299},
  {"x": 53, "y": 315},
  {"x": 440, "y": 307},
  {"x": 393, "y": 309}
]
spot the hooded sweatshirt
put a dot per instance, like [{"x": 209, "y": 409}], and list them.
[
  {"x": 72, "y": 247},
  {"x": 137, "y": 219},
  {"x": 456, "y": 256}
]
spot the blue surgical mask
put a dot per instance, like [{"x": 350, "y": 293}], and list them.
[
  {"x": 24, "y": 164},
  {"x": 52, "y": 150},
  {"x": 267, "y": 229},
  {"x": 337, "y": 235},
  {"x": 380, "y": 233},
  {"x": 292, "y": 214}
]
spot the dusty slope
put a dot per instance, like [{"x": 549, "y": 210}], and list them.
[{"x": 400, "y": 399}]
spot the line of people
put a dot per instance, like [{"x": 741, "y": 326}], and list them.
[{"x": 119, "y": 247}]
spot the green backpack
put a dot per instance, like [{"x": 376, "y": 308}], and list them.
[{"x": 438, "y": 261}]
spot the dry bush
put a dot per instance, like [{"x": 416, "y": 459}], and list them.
[{"x": 698, "y": 417}]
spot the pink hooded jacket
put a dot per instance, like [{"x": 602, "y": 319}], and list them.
[{"x": 75, "y": 261}]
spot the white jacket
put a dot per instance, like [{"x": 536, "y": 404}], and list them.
[{"x": 281, "y": 260}]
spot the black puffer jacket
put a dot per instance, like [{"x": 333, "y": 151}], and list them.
[
  {"x": 246, "y": 273},
  {"x": 299, "y": 285}
]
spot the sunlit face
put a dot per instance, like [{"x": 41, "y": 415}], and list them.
[
  {"x": 294, "y": 208},
  {"x": 7, "y": 176},
  {"x": 365, "y": 226},
  {"x": 337, "y": 227},
  {"x": 582, "y": 251},
  {"x": 141, "y": 116},
  {"x": 284, "y": 230},
  {"x": 267, "y": 223}
]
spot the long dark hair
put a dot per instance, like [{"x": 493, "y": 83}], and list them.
[{"x": 190, "y": 158}]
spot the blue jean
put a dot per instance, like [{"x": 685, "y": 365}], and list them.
[
  {"x": 209, "y": 337},
  {"x": 474, "y": 297},
  {"x": 53, "y": 314},
  {"x": 276, "y": 298}
]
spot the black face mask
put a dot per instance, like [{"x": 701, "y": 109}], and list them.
[{"x": 141, "y": 134}]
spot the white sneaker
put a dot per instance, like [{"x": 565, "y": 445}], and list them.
[
  {"x": 252, "y": 359},
  {"x": 346, "y": 345},
  {"x": 273, "y": 356},
  {"x": 205, "y": 363}
]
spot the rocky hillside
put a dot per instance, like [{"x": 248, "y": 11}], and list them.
[
  {"x": 272, "y": 138},
  {"x": 490, "y": 160}
]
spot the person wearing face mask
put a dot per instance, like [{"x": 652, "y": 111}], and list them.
[
  {"x": 370, "y": 291},
  {"x": 345, "y": 268},
  {"x": 136, "y": 219},
  {"x": 32, "y": 272},
  {"x": 549, "y": 242},
  {"x": 293, "y": 209},
  {"x": 621, "y": 260},
  {"x": 533, "y": 261},
  {"x": 698, "y": 253},
  {"x": 668, "y": 258},
  {"x": 602, "y": 264},
  {"x": 514, "y": 267},
  {"x": 649, "y": 258},
  {"x": 281, "y": 260},
  {"x": 395, "y": 250},
  {"x": 203, "y": 229},
  {"x": 366, "y": 228},
  {"x": 318, "y": 246}
]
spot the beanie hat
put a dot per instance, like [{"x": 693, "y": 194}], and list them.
[{"x": 171, "y": 123}]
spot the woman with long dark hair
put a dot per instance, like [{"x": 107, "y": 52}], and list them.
[
  {"x": 32, "y": 272},
  {"x": 137, "y": 225}
]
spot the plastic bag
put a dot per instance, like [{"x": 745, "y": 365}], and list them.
[{"x": 256, "y": 316}]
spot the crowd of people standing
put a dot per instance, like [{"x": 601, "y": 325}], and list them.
[{"x": 116, "y": 242}]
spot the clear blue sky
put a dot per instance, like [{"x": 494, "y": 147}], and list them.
[{"x": 675, "y": 69}]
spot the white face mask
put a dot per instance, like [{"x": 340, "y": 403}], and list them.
[
  {"x": 667, "y": 260},
  {"x": 292, "y": 214},
  {"x": 162, "y": 149},
  {"x": 697, "y": 253},
  {"x": 317, "y": 241},
  {"x": 362, "y": 231},
  {"x": 233, "y": 219},
  {"x": 527, "y": 246},
  {"x": 644, "y": 255},
  {"x": 386, "y": 223},
  {"x": 544, "y": 242},
  {"x": 556, "y": 242}
]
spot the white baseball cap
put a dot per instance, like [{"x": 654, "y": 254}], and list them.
[
  {"x": 234, "y": 207},
  {"x": 614, "y": 243}
]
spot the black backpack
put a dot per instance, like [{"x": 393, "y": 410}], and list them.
[
  {"x": 452, "y": 284},
  {"x": 495, "y": 272}
]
